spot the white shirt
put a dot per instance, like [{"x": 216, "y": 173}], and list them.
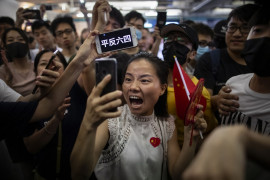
[
  {"x": 254, "y": 110},
  {"x": 7, "y": 94},
  {"x": 131, "y": 154}
]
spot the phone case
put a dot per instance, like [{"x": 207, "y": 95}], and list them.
[
  {"x": 116, "y": 39},
  {"x": 161, "y": 19},
  {"x": 106, "y": 66}
]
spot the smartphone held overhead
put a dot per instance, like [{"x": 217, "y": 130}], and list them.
[
  {"x": 161, "y": 19},
  {"x": 116, "y": 40},
  {"x": 32, "y": 14}
]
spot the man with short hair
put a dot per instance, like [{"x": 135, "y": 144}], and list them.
[
  {"x": 145, "y": 43},
  {"x": 115, "y": 21},
  {"x": 205, "y": 35},
  {"x": 64, "y": 31},
  {"x": 43, "y": 34},
  {"x": 105, "y": 24},
  {"x": 181, "y": 40},
  {"x": 228, "y": 62},
  {"x": 136, "y": 19}
]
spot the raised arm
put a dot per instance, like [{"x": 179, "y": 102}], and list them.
[
  {"x": 40, "y": 138},
  {"x": 93, "y": 134},
  {"x": 177, "y": 160},
  {"x": 101, "y": 8},
  {"x": 155, "y": 47},
  {"x": 58, "y": 92}
]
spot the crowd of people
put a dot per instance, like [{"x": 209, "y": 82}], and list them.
[{"x": 67, "y": 130}]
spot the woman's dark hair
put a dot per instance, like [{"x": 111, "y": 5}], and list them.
[
  {"x": 21, "y": 32},
  {"x": 7, "y": 20},
  {"x": 59, "y": 55},
  {"x": 162, "y": 71},
  {"x": 122, "y": 60}
]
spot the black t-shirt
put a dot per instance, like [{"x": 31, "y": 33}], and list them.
[
  {"x": 70, "y": 128},
  {"x": 227, "y": 68},
  {"x": 14, "y": 118}
]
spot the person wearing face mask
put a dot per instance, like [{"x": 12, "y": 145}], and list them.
[
  {"x": 216, "y": 68},
  {"x": 205, "y": 35},
  {"x": 18, "y": 73},
  {"x": 250, "y": 140},
  {"x": 182, "y": 41},
  {"x": 253, "y": 89}
]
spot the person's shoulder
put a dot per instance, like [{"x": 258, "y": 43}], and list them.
[
  {"x": 239, "y": 78},
  {"x": 205, "y": 57}
]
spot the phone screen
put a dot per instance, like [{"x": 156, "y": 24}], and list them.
[{"x": 115, "y": 40}]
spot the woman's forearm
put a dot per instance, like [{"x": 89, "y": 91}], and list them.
[
  {"x": 184, "y": 158},
  {"x": 82, "y": 156},
  {"x": 59, "y": 91},
  {"x": 42, "y": 137}
]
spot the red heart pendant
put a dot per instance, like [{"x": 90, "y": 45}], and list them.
[{"x": 155, "y": 141}]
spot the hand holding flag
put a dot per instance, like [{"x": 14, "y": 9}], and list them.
[{"x": 187, "y": 95}]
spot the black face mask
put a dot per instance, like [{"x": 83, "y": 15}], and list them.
[
  {"x": 17, "y": 49},
  {"x": 174, "y": 49},
  {"x": 257, "y": 56}
]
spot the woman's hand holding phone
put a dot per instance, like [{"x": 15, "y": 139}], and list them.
[
  {"x": 98, "y": 107},
  {"x": 47, "y": 78}
]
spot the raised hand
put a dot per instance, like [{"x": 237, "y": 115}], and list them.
[
  {"x": 98, "y": 108},
  {"x": 101, "y": 8},
  {"x": 198, "y": 127}
]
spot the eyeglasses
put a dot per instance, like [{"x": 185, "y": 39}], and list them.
[
  {"x": 177, "y": 39},
  {"x": 205, "y": 43},
  {"x": 66, "y": 31},
  {"x": 243, "y": 29}
]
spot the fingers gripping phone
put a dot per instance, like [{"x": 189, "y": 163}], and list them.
[
  {"x": 35, "y": 14},
  {"x": 116, "y": 40},
  {"x": 48, "y": 66},
  {"x": 106, "y": 66}
]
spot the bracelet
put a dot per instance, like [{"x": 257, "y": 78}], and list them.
[{"x": 47, "y": 131}]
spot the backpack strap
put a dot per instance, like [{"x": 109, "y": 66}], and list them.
[{"x": 215, "y": 60}]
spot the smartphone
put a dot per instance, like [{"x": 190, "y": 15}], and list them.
[
  {"x": 35, "y": 14},
  {"x": 116, "y": 40},
  {"x": 106, "y": 66},
  {"x": 161, "y": 19}
]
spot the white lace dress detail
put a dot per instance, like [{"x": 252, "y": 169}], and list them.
[{"x": 134, "y": 151}]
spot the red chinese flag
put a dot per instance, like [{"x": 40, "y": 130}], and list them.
[{"x": 181, "y": 96}]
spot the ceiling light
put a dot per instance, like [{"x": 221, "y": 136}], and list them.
[
  {"x": 221, "y": 11},
  {"x": 174, "y": 12}
]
